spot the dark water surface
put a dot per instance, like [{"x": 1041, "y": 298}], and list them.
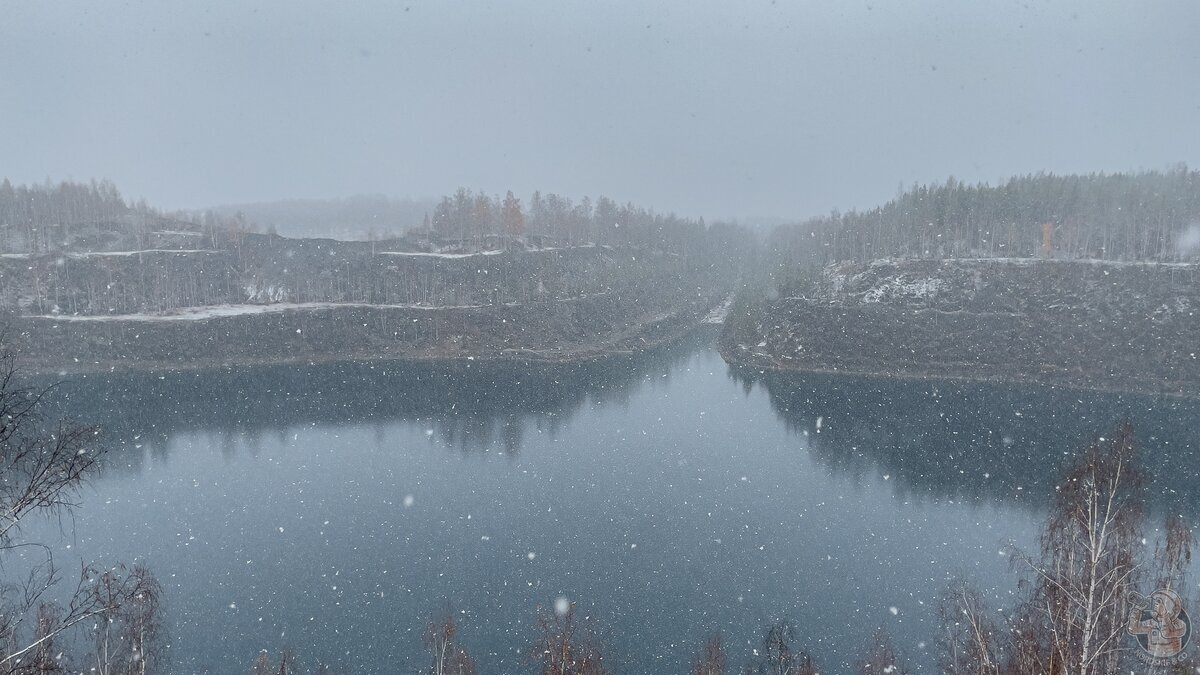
[{"x": 336, "y": 508}]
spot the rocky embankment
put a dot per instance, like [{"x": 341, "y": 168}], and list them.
[
  {"x": 272, "y": 300},
  {"x": 1091, "y": 324}
]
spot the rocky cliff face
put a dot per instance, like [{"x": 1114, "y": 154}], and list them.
[
  {"x": 264, "y": 269},
  {"x": 271, "y": 299},
  {"x": 1103, "y": 325}
]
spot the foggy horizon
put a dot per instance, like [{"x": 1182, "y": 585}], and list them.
[{"x": 762, "y": 110}]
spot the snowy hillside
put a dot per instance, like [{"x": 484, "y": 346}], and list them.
[{"x": 1094, "y": 324}]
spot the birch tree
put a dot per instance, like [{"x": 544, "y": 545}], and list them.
[
  {"x": 447, "y": 656},
  {"x": 1073, "y": 618},
  {"x": 42, "y": 466},
  {"x": 566, "y": 645}
]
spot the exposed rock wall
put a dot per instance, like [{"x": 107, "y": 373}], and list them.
[
  {"x": 267, "y": 299},
  {"x": 1102, "y": 325},
  {"x": 264, "y": 269}
]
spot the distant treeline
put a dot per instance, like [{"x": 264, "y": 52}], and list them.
[
  {"x": 466, "y": 216},
  {"x": 117, "y": 259},
  {"x": 70, "y": 216},
  {"x": 1144, "y": 216},
  {"x": 38, "y": 217},
  {"x": 94, "y": 216}
]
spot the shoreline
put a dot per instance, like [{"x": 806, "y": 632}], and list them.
[
  {"x": 1082, "y": 325},
  {"x": 763, "y": 365},
  {"x": 647, "y": 336}
]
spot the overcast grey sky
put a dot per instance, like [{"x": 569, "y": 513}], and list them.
[{"x": 705, "y": 108}]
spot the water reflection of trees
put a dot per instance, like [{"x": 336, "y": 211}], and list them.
[
  {"x": 979, "y": 441},
  {"x": 470, "y": 405}
]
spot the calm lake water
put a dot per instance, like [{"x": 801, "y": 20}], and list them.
[{"x": 337, "y": 508}]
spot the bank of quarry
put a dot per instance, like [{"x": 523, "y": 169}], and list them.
[
  {"x": 1082, "y": 323},
  {"x": 276, "y": 300}
]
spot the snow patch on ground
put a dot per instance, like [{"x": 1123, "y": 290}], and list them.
[
  {"x": 256, "y": 293},
  {"x": 893, "y": 288},
  {"x": 179, "y": 233},
  {"x": 719, "y": 313},
  {"x": 897, "y": 279},
  {"x": 94, "y": 254},
  {"x": 835, "y": 278},
  {"x": 218, "y": 311},
  {"x": 452, "y": 256},
  {"x": 1075, "y": 261}
]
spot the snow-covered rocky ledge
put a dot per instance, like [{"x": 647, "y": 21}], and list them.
[{"x": 1082, "y": 323}]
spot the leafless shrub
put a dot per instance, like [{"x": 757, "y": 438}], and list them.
[
  {"x": 712, "y": 660},
  {"x": 969, "y": 640},
  {"x": 448, "y": 657},
  {"x": 881, "y": 658},
  {"x": 46, "y": 658},
  {"x": 263, "y": 665},
  {"x": 128, "y": 632},
  {"x": 566, "y": 645},
  {"x": 778, "y": 656},
  {"x": 1173, "y": 553},
  {"x": 42, "y": 466}
]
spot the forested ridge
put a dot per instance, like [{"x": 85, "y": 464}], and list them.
[
  {"x": 73, "y": 216},
  {"x": 1149, "y": 215},
  {"x": 1085, "y": 280},
  {"x": 487, "y": 279},
  {"x": 465, "y": 215},
  {"x": 95, "y": 216}
]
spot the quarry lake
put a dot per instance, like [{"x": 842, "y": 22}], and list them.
[{"x": 337, "y": 508}]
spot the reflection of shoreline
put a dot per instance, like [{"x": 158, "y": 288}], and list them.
[
  {"x": 976, "y": 441},
  {"x": 1088, "y": 387},
  {"x": 576, "y": 354},
  {"x": 469, "y": 404}
]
